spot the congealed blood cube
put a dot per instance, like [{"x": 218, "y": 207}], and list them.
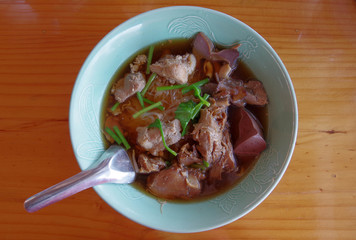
[{"x": 249, "y": 142}]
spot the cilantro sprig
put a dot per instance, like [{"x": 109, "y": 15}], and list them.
[{"x": 187, "y": 111}]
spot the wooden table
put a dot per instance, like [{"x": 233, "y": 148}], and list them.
[{"x": 42, "y": 47}]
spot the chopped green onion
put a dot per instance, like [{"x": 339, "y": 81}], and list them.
[
  {"x": 197, "y": 93},
  {"x": 146, "y": 109},
  {"x": 157, "y": 123},
  {"x": 139, "y": 97},
  {"x": 197, "y": 84},
  {"x": 122, "y": 138},
  {"x": 197, "y": 108},
  {"x": 149, "y": 59},
  {"x": 151, "y": 102},
  {"x": 165, "y": 88},
  {"x": 150, "y": 80},
  {"x": 113, "y": 108},
  {"x": 113, "y": 135}
]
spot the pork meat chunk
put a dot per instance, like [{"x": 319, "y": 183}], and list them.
[
  {"x": 188, "y": 155},
  {"x": 175, "y": 182},
  {"x": 227, "y": 162},
  {"x": 255, "y": 93},
  {"x": 208, "y": 132},
  {"x": 138, "y": 63},
  {"x": 149, "y": 164},
  {"x": 150, "y": 139},
  {"x": 213, "y": 137},
  {"x": 209, "y": 88},
  {"x": 128, "y": 86},
  {"x": 240, "y": 93},
  {"x": 175, "y": 68},
  {"x": 233, "y": 90}
]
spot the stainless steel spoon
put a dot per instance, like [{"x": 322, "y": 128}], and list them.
[{"x": 114, "y": 166}]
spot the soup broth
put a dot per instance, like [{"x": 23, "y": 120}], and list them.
[{"x": 171, "y": 99}]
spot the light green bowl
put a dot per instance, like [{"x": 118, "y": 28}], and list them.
[{"x": 178, "y": 22}]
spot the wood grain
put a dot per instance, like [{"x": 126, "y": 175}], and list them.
[{"x": 42, "y": 47}]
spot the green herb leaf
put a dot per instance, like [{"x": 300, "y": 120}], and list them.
[
  {"x": 139, "y": 97},
  {"x": 197, "y": 84},
  {"x": 198, "y": 107},
  {"x": 151, "y": 102},
  {"x": 148, "y": 84},
  {"x": 197, "y": 93},
  {"x": 146, "y": 109},
  {"x": 165, "y": 88},
  {"x": 122, "y": 138},
  {"x": 113, "y": 135},
  {"x": 113, "y": 108},
  {"x": 157, "y": 123},
  {"x": 187, "y": 111},
  {"x": 184, "y": 114},
  {"x": 149, "y": 59}
]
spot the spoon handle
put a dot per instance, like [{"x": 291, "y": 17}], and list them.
[{"x": 66, "y": 188}]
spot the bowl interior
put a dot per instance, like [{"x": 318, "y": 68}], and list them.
[{"x": 178, "y": 22}]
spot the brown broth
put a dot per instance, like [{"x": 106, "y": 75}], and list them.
[{"x": 128, "y": 124}]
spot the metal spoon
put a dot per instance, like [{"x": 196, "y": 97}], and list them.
[{"x": 114, "y": 166}]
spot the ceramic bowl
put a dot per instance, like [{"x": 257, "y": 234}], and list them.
[{"x": 183, "y": 22}]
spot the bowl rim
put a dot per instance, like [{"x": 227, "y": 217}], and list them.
[{"x": 109, "y": 35}]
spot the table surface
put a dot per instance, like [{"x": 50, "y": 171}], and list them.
[{"x": 42, "y": 47}]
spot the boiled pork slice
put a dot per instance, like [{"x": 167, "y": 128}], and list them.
[
  {"x": 212, "y": 133},
  {"x": 128, "y": 86},
  {"x": 149, "y": 164},
  {"x": 227, "y": 161},
  {"x": 138, "y": 63},
  {"x": 175, "y": 68},
  {"x": 175, "y": 182},
  {"x": 188, "y": 155},
  {"x": 150, "y": 139},
  {"x": 233, "y": 90},
  {"x": 255, "y": 93},
  {"x": 208, "y": 132}
]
